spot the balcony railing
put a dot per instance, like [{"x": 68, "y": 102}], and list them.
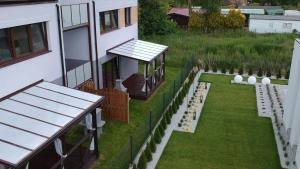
[{"x": 79, "y": 75}]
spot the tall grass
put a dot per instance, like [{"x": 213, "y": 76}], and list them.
[{"x": 268, "y": 52}]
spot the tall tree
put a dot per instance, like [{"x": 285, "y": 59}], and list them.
[
  {"x": 153, "y": 18},
  {"x": 211, "y": 5}
]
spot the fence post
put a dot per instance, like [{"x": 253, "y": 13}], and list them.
[
  {"x": 150, "y": 122},
  {"x": 164, "y": 101},
  {"x": 174, "y": 88},
  {"x": 131, "y": 149}
]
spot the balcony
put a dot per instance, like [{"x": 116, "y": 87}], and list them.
[{"x": 78, "y": 72}]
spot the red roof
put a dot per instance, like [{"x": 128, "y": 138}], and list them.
[{"x": 184, "y": 11}]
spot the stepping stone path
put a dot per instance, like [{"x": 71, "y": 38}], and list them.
[{"x": 194, "y": 105}]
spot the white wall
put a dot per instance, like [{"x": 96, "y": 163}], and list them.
[
  {"x": 272, "y": 26},
  {"x": 76, "y": 44},
  {"x": 111, "y": 39},
  {"x": 292, "y": 115},
  {"x": 293, "y": 87},
  {"x": 47, "y": 66}
]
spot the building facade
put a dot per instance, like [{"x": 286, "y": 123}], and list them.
[
  {"x": 65, "y": 42},
  {"x": 274, "y": 24}
]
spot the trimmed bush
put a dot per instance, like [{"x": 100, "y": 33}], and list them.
[
  {"x": 223, "y": 70},
  {"x": 241, "y": 70},
  {"x": 250, "y": 71},
  {"x": 287, "y": 74},
  {"x": 260, "y": 72},
  {"x": 206, "y": 68},
  {"x": 215, "y": 69},
  {"x": 142, "y": 164},
  {"x": 163, "y": 122},
  {"x": 269, "y": 74},
  {"x": 152, "y": 145},
  {"x": 134, "y": 166},
  {"x": 168, "y": 118},
  {"x": 148, "y": 153},
  {"x": 278, "y": 75},
  {"x": 231, "y": 70},
  {"x": 157, "y": 136},
  {"x": 161, "y": 130}
]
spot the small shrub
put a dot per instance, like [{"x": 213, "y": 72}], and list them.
[
  {"x": 223, "y": 70},
  {"x": 152, "y": 145},
  {"x": 250, "y": 71},
  {"x": 142, "y": 164},
  {"x": 157, "y": 136},
  {"x": 269, "y": 74},
  {"x": 259, "y": 73},
  {"x": 241, "y": 70},
  {"x": 231, "y": 70},
  {"x": 278, "y": 75},
  {"x": 134, "y": 166},
  {"x": 179, "y": 124},
  {"x": 161, "y": 130},
  {"x": 206, "y": 68},
  {"x": 287, "y": 74},
  {"x": 215, "y": 69},
  {"x": 168, "y": 118},
  {"x": 163, "y": 123},
  {"x": 148, "y": 153}
]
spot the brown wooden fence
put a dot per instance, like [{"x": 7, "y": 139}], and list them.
[{"x": 115, "y": 105}]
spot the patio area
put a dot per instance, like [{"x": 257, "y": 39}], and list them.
[{"x": 142, "y": 86}]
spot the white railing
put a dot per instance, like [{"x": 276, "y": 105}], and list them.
[{"x": 79, "y": 75}]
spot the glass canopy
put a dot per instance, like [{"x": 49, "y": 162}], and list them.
[
  {"x": 34, "y": 116},
  {"x": 139, "y": 50}
]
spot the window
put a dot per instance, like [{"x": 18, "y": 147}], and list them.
[
  {"x": 22, "y": 42},
  {"x": 127, "y": 16},
  {"x": 5, "y": 53},
  {"x": 74, "y": 15},
  {"x": 287, "y": 25},
  {"x": 109, "y": 21}
]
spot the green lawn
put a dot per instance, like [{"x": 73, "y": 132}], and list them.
[
  {"x": 116, "y": 134},
  {"x": 229, "y": 135}
]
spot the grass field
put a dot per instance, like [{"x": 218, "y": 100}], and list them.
[{"x": 229, "y": 134}]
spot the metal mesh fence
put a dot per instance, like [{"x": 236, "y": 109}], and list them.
[{"x": 138, "y": 138}]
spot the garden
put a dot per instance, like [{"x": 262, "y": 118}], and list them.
[
  {"x": 229, "y": 133},
  {"x": 232, "y": 49}
]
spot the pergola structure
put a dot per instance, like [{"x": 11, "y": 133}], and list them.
[
  {"x": 34, "y": 122},
  {"x": 153, "y": 56}
]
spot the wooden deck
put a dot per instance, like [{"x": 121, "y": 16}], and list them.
[{"x": 135, "y": 84}]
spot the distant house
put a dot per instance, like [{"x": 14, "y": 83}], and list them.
[
  {"x": 181, "y": 15},
  {"x": 274, "y": 24},
  {"x": 292, "y": 13},
  {"x": 256, "y": 10}
]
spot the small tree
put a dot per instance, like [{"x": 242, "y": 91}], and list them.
[
  {"x": 168, "y": 118},
  {"x": 152, "y": 145},
  {"x": 142, "y": 164},
  {"x": 148, "y": 153},
  {"x": 163, "y": 122}
]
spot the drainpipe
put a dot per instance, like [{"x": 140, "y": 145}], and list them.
[
  {"x": 60, "y": 46},
  {"x": 96, "y": 44}
]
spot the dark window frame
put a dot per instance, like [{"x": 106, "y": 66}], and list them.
[
  {"x": 32, "y": 53},
  {"x": 112, "y": 13},
  {"x": 128, "y": 14}
]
